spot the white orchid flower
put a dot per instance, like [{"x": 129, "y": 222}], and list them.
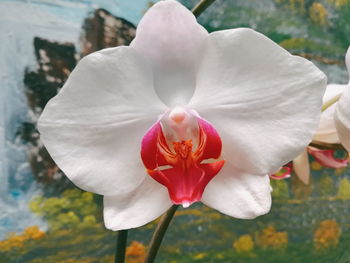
[
  {"x": 211, "y": 114},
  {"x": 342, "y": 113},
  {"x": 327, "y": 132}
]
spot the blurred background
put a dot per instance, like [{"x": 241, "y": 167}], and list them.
[{"x": 44, "y": 218}]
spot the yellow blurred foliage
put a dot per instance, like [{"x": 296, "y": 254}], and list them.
[
  {"x": 13, "y": 241},
  {"x": 316, "y": 166},
  {"x": 344, "y": 189},
  {"x": 297, "y": 5},
  {"x": 33, "y": 232},
  {"x": 244, "y": 244},
  {"x": 339, "y": 3},
  {"x": 73, "y": 209},
  {"x": 327, "y": 235},
  {"x": 77, "y": 261},
  {"x": 270, "y": 238},
  {"x": 186, "y": 212},
  {"x": 135, "y": 252},
  {"x": 199, "y": 256},
  {"x": 294, "y": 5},
  {"x": 318, "y": 14},
  {"x": 340, "y": 171}
]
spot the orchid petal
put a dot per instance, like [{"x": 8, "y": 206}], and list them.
[
  {"x": 342, "y": 114},
  {"x": 238, "y": 194},
  {"x": 343, "y": 128},
  {"x": 171, "y": 39},
  {"x": 326, "y": 158},
  {"x": 326, "y": 131},
  {"x": 347, "y": 60},
  {"x": 264, "y": 102},
  {"x": 136, "y": 208},
  {"x": 93, "y": 128},
  {"x": 301, "y": 166}
]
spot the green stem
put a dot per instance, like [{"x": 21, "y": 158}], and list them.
[
  {"x": 201, "y": 6},
  {"x": 121, "y": 246},
  {"x": 159, "y": 234},
  {"x": 330, "y": 102}
]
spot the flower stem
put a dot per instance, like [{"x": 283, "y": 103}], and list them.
[
  {"x": 330, "y": 102},
  {"x": 121, "y": 246},
  {"x": 159, "y": 234},
  {"x": 201, "y": 6}
]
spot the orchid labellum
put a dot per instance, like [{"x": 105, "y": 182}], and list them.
[
  {"x": 283, "y": 173},
  {"x": 327, "y": 132},
  {"x": 181, "y": 116}
]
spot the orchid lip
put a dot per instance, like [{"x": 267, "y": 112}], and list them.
[
  {"x": 326, "y": 158},
  {"x": 181, "y": 151},
  {"x": 283, "y": 173}
]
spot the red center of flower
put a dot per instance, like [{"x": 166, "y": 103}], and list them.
[
  {"x": 183, "y": 149},
  {"x": 181, "y": 152}
]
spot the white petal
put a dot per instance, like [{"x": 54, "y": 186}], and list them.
[
  {"x": 170, "y": 37},
  {"x": 347, "y": 60},
  {"x": 264, "y": 102},
  {"x": 238, "y": 194},
  {"x": 342, "y": 113},
  {"x": 301, "y": 166},
  {"x": 134, "y": 209},
  {"x": 326, "y": 131},
  {"x": 332, "y": 91},
  {"x": 94, "y": 126},
  {"x": 342, "y": 118}
]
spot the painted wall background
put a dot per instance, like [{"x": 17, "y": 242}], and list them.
[{"x": 44, "y": 218}]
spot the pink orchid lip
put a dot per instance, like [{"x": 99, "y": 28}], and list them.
[
  {"x": 283, "y": 173},
  {"x": 326, "y": 158},
  {"x": 181, "y": 152}
]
